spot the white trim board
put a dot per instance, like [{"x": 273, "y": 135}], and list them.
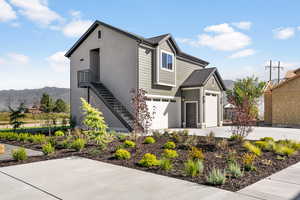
[
  {"x": 173, "y": 59},
  {"x": 191, "y": 88},
  {"x": 161, "y": 96}
]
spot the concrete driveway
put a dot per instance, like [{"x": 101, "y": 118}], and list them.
[{"x": 258, "y": 132}]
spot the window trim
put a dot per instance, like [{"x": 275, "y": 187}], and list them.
[{"x": 173, "y": 60}]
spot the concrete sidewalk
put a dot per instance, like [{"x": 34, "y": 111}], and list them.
[
  {"x": 80, "y": 178},
  {"x": 283, "y": 185},
  {"x": 258, "y": 132}
]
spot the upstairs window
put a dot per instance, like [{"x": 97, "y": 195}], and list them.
[{"x": 167, "y": 61}]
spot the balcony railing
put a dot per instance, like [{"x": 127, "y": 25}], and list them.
[{"x": 83, "y": 77}]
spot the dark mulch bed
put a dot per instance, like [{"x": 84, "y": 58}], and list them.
[{"x": 214, "y": 157}]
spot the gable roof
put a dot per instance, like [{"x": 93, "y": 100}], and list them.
[
  {"x": 200, "y": 77},
  {"x": 285, "y": 82},
  {"x": 157, "y": 39},
  {"x": 153, "y": 41}
]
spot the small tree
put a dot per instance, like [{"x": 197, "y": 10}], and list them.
[
  {"x": 95, "y": 124},
  {"x": 142, "y": 116},
  {"x": 16, "y": 115},
  {"x": 244, "y": 98},
  {"x": 60, "y": 106},
  {"x": 47, "y": 104}
]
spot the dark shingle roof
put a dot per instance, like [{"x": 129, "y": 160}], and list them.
[
  {"x": 200, "y": 77},
  {"x": 157, "y": 39},
  {"x": 153, "y": 41}
]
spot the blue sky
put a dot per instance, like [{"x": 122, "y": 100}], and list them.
[{"x": 238, "y": 37}]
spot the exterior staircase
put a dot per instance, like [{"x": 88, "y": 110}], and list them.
[{"x": 114, "y": 105}]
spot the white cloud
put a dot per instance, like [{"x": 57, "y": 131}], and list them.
[
  {"x": 223, "y": 38},
  {"x": 245, "y": 25},
  {"x": 243, "y": 53},
  {"x": 37, "y": 11},
  {"x": 58, "y": 62},
  {"x": 6, "y": 12},
  {"x": 75, "y": 13},
  {"x": 284, "y": 33},
  {"x": 220, "y": 28},
  {"x": 76, "y": 28},
  {"x": 18, "y": 58}
]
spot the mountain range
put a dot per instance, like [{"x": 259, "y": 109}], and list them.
[{"x": 13, "y": 98}]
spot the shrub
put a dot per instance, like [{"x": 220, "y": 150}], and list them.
[
  {"x": 121, "y": 137},
  {"x": 261, "y": 144},
  {"x": 19, "y": 154},
  {"x": 149, "y": 140},
  {"x": 78, "y": 144},
  {"x": 191, "y": 140},
  {"x": 290, "y": 143},
  {"x": 193, "y": 167},
  {"x": 59, "y": 133},
  {"x": 252, "y": 148},
  {"x": 129, "y": 144},
  {"x": 235, "y": 137},
  {"x": 122, "y": 154},
  {"x": 232, "y": 156},
  {"x": 267, "y": 139},
  {"x": 48, "y": 149},
  {"x": 38, "y": 139},
  {"x": 65, "y": 143},
  {"x": 169, "y": 145},
  {"x": 216, "y": 177},
  {"x": 234, "y": 169},
  {"x": 23, "y": 137},
  {"x": 149, "y": 160},
  {"x": 196, "y": 154},
  {"x": 169, "y": 153},
  {"x": 284, "y": 150},
  {"x": 248, "y": 161},
  {"x": 165, "y": 164},
  {"x": 223, "y": 144}
]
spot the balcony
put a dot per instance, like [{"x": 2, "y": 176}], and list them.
[{"x": 84, "y": 78}]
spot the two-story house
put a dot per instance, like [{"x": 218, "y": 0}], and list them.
[{"x": 107, "y": 63}]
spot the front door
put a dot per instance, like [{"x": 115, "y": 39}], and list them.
[
  {"x": 191, "y": 115},
  {"x": 95, "y": 65}
]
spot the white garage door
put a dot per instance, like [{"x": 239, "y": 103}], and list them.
[
  {"x": 167, "y": 114},
  {"x": 211, "y": 110}
]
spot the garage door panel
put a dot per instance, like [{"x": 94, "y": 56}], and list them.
[
  {"x": 167, "y": 114},
  {"x": 211, "y": 110}
]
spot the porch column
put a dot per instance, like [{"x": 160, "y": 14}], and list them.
[
  {"x": 221, "y": 96},
  {"x": 201, "y": 108}
]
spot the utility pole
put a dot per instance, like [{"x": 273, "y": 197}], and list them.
[
  {"x": 270, "y": 68},
  {"x": 278, "y": 71}
]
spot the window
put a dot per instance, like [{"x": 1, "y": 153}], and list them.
[
  {"x": 166, "y": 61},
  {"x": 99, "y": 34}
]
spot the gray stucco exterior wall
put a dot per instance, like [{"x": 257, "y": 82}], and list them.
[{"x": 118, "y": 66}]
